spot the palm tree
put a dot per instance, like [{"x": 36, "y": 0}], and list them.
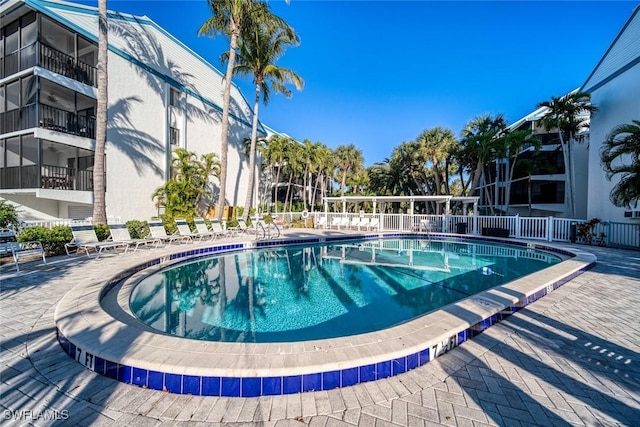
[
  {"x": 230, "y": 17},
  {"x": 259, "y": 49},
  {"x": 515, "y": 143},
  {"x": 481, "y": 143},
  {"x": 569, "y": 115},
  {"x": 347, "y": 158},
  {"x": 436, "y": 144},
  {"x": 99, "y": 188},
  {"x": 275, "y": 155},
  {"x": 620, "y": 154}
]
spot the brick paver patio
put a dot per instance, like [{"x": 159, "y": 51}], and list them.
[{"x": 571, "y": 358}]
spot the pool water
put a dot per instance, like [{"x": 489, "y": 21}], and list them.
[{"x": 300, "y": 293}]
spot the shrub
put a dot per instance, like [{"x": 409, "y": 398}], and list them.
[
  {"x": 102, "y": 231},
  {"x": 138, "y": 229},
  {"x": 8, "y": 215},
  {"x": 53, "y": 240},
  {"x": 169, "y": 223}
]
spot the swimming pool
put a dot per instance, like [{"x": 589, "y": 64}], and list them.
[
  {"x": 96, "y": 327},
  {"x": 321, "y": 291}
]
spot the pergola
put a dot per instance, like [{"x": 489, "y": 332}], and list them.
[{"x": 440, "y": 200}]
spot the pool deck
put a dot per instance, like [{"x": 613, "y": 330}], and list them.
[{"x": 570, "y": 358}]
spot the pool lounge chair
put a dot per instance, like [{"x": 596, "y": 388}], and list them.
[
  {"x": 8, "y": 245},
  {"x": 355, "y": 223},
  {"x": 335, "y": 222},
  {"x": 203, "y": 230},
  {"x": 120, "y": 233},
  {"x": 321, "y": 223},
  {"x": 216, "y": 227},
  {"x": 156, "y": 227},
  {"x": 185, "y": 230},
  {"x": 244, "y": 228},
  {"x": 85, "y": 238},
  {"x": 344, "y": 222},
  {"x": 364, "y": 223},
  {"x": 374, "y": 224}
]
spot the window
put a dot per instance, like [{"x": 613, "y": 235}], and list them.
[
  {"x": 174, "y": 136},
  {"x": 174, "y": 98}
]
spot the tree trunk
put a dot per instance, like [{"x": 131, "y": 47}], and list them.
[
  {"x": 436, "y": 173},
  {"x": 252, "y": 154},
  {"x": 99, "y": 185},
  {"x": 224, "y": 137},
  {"x": 507, "y": 196},
  {"x": 275, "y": 189},
  {"x": 567, "y": 173}
]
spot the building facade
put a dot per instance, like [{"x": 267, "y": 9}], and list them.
[
  {"x": 162, "y": 95},
  {"x": 614, "y": 85}
]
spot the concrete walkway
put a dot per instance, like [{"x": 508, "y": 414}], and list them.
[{"x": 571, "y": 358}]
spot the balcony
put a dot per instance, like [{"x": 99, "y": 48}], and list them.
[
  {"x": 49, "y": 118},
  {"x": 50, "y": 177},
  {"x": 39, "y": 54}
]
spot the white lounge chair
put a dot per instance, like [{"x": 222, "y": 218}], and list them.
[
  {"x": 85, "y": 238},
  {"x": 355, "y": 223},
  {"x": 335, "y": 222},
  {"x": 364, "y": 223},
  {"x": 344, "y": 222},
  {"x": 216, "y": 227},
  {"x": 18, "y": 250},
  {"x": 156, "y": 227},
  {"x": 203, "y": 230},
  {"x": 321, "y": 223},
  {"x": 120, "y": 233},
  {"x": 185, "y": 230},
  {"x": 374, "y": 224}
]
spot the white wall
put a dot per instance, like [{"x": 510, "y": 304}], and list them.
[{"x": 618, "y": 102}]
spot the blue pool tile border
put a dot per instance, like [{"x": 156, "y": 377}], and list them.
[{"x": 291, "y": 384}]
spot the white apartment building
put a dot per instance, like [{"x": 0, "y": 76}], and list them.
[
  {"x": 162, "y": 95},
  {"x": 614, "y": 85}
]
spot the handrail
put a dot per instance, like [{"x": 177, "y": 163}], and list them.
[{"x": 274, "y": 225}]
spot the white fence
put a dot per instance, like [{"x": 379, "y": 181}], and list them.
[{"x": 550, "y": 229}]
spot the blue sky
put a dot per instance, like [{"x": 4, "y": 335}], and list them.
[{"x": 377, "y": 73}]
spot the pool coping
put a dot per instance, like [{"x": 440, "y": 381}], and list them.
[{"x": 122, "y": 348}]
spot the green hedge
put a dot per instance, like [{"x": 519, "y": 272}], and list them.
[{"x": 53, "y": 240}]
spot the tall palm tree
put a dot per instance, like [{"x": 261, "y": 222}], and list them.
[
  {"x": 259, "y": 49},
  {"x": 481, "y": 142},
  {"x": 436, "y": 144},
  {"x": 99, "y": 188},
  {"x": 620, "y": 154},
  {"x": 229, "y": 17},
  {"x": 515, "y": 143},
  {"x": 275, "y": 155},
  {"x": 569, "y": 115},
  {"x": 347, "y": 157}
]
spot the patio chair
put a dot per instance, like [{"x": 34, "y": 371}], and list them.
[
  {"x": 85, "y": 238},
  {"x": 344, "y": 222},
  {"x": 120, "y": 233},
  {"x": 8, "y": 245},
  {"x": 364, "y": 223},
  {"x": 203, "y": 230},
  {"x": 335, "y": 222},
  {"x": 156, "y": 227},
  {"x": 244, "y": 228},
  {"x": 355, "y": 222},
  {"x": 321, "y": 223},
  {"x": 216, "y": 227},
  {"x": 374, "y": 224},
  {"x": 185, "y": 230}
]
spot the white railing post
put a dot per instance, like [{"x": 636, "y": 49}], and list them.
[
  {"x": 549, "y": 236},
  {"x": 518, "y": 226}
]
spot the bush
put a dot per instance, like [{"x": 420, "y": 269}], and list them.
[
  {"x": 53, "y": 240},
  {"x": 138, "y": 229},
  {"x": 102, "y": 231},
  {"x": 169, "y": 223},
  {"x": 8, "y": 215}
]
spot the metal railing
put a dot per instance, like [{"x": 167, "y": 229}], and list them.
[
  {"x": 550, "y": 229},
  {"x": 45, "y": 56},
  {"x": 68, "y": 122}
]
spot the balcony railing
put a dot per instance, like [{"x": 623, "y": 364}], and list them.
[
  {"x": 51, "y": 59},
  {"x": 65, "y": 121},
  {"x": 51, "y": 177},
  {"x": 49, "y": 118},
  {"x": 67, "y": 65}
]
